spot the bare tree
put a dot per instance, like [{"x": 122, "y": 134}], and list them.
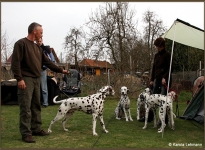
[
  {"x": 6, "y": 47},
  {"x": 153, "y": 29},
  {"x": 75, "y": 46},
  {"x": 112, "y": 28}
]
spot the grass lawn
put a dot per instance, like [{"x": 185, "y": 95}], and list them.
[{"x": 122, "y": 134}]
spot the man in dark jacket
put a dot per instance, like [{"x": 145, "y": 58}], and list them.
[{"x": 27, "y": 61}]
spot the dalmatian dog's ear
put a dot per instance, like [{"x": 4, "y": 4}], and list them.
[{"x": 128, "y": 90}]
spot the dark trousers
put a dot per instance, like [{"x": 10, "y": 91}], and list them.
[
  {"x": 159, "y": 88},
  {"x": 30, "y": 107}
]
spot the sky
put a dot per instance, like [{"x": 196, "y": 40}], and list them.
[{"x": 57, "y": 18}]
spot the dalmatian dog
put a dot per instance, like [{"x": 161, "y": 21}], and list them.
[
  {"x": 169, "y": 110},
  {"x": 141, "y": 101},
  {"x": 158, "y": 100},
  {"x": 123, "y": 106},
  {"x": 92, "y": 104}
]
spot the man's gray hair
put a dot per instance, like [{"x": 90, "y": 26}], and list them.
[{"x": 33, "y": 26}]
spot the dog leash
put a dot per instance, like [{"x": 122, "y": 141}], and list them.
[{"x": 137, "y": 90}]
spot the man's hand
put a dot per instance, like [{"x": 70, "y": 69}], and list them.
[
  {"x": 163, "y": 81},
  {"x": 151, "y": 83},
  {"x": 66, "y": 72},
  {"x": 21, "y": 85}
]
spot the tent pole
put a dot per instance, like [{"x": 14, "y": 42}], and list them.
[
  {"x": 170, "y": 68},
  {"x": 199, "y": 68}
]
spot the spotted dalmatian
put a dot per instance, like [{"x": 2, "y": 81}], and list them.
[
  {"x": 158, "y": 100},
  {"x": 92, "y": 104},
  {"x": 123, "y": 105},
  {"x": 169, "y": 111},
  {"x": 141, "y": 101}
]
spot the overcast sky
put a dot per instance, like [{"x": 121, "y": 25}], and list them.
[{"x": 58, "y": 17}]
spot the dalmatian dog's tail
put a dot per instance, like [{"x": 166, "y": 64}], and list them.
[
  {"x": 57, "y": 102},
  {"x": 174, "y": 115}
]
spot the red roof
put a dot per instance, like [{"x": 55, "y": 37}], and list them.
[{"x": 95, "y": 63}]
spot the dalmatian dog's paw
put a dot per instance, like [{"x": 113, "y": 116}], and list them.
[
  {"x": 118, "y": 118},
  {"x": 95, "y": 134},
  {"x": 159, "y": 131},
  {"x": 172, "y": 127},
  {"x": 106, "y": 131},
  {"x": 144, "y": 127},
  {"x": 66, "y": 130},
  {"x": 49, "y": 130},
  {"x": 131, "y": 119}
]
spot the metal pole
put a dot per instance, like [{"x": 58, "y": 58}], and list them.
[
  {"x": 108, "y": 76},
  {"x": 170, "y": 68},
  {"x": 199, "y": 68}
]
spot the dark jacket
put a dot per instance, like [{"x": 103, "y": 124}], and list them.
[
  {"x": 47, "y": 51},
  {"x": 161, "y": 65},
  {"x": 28, "y": 59}
]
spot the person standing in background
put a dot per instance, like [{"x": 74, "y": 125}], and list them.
[
  {"x": 26, "y": 65},
  {"x": 44, "y": 88},
  {"x": 160, "y": 70}
]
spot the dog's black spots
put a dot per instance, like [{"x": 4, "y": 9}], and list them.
[
  {"x": 101, "y": 102},
  {"x": 88, "y": 107},
  {"x": 79, "y": 107},
  {"x": 65, "y": 103},
  {"x": 59, "y": 110},
  {"x": 83, "y": 102},
  {"x": 101, "y": 123}
]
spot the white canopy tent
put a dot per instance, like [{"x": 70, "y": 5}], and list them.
[{"x": 184, "y": 33}]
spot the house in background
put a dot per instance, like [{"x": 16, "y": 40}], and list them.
[{"x": 94, "y": 67}]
